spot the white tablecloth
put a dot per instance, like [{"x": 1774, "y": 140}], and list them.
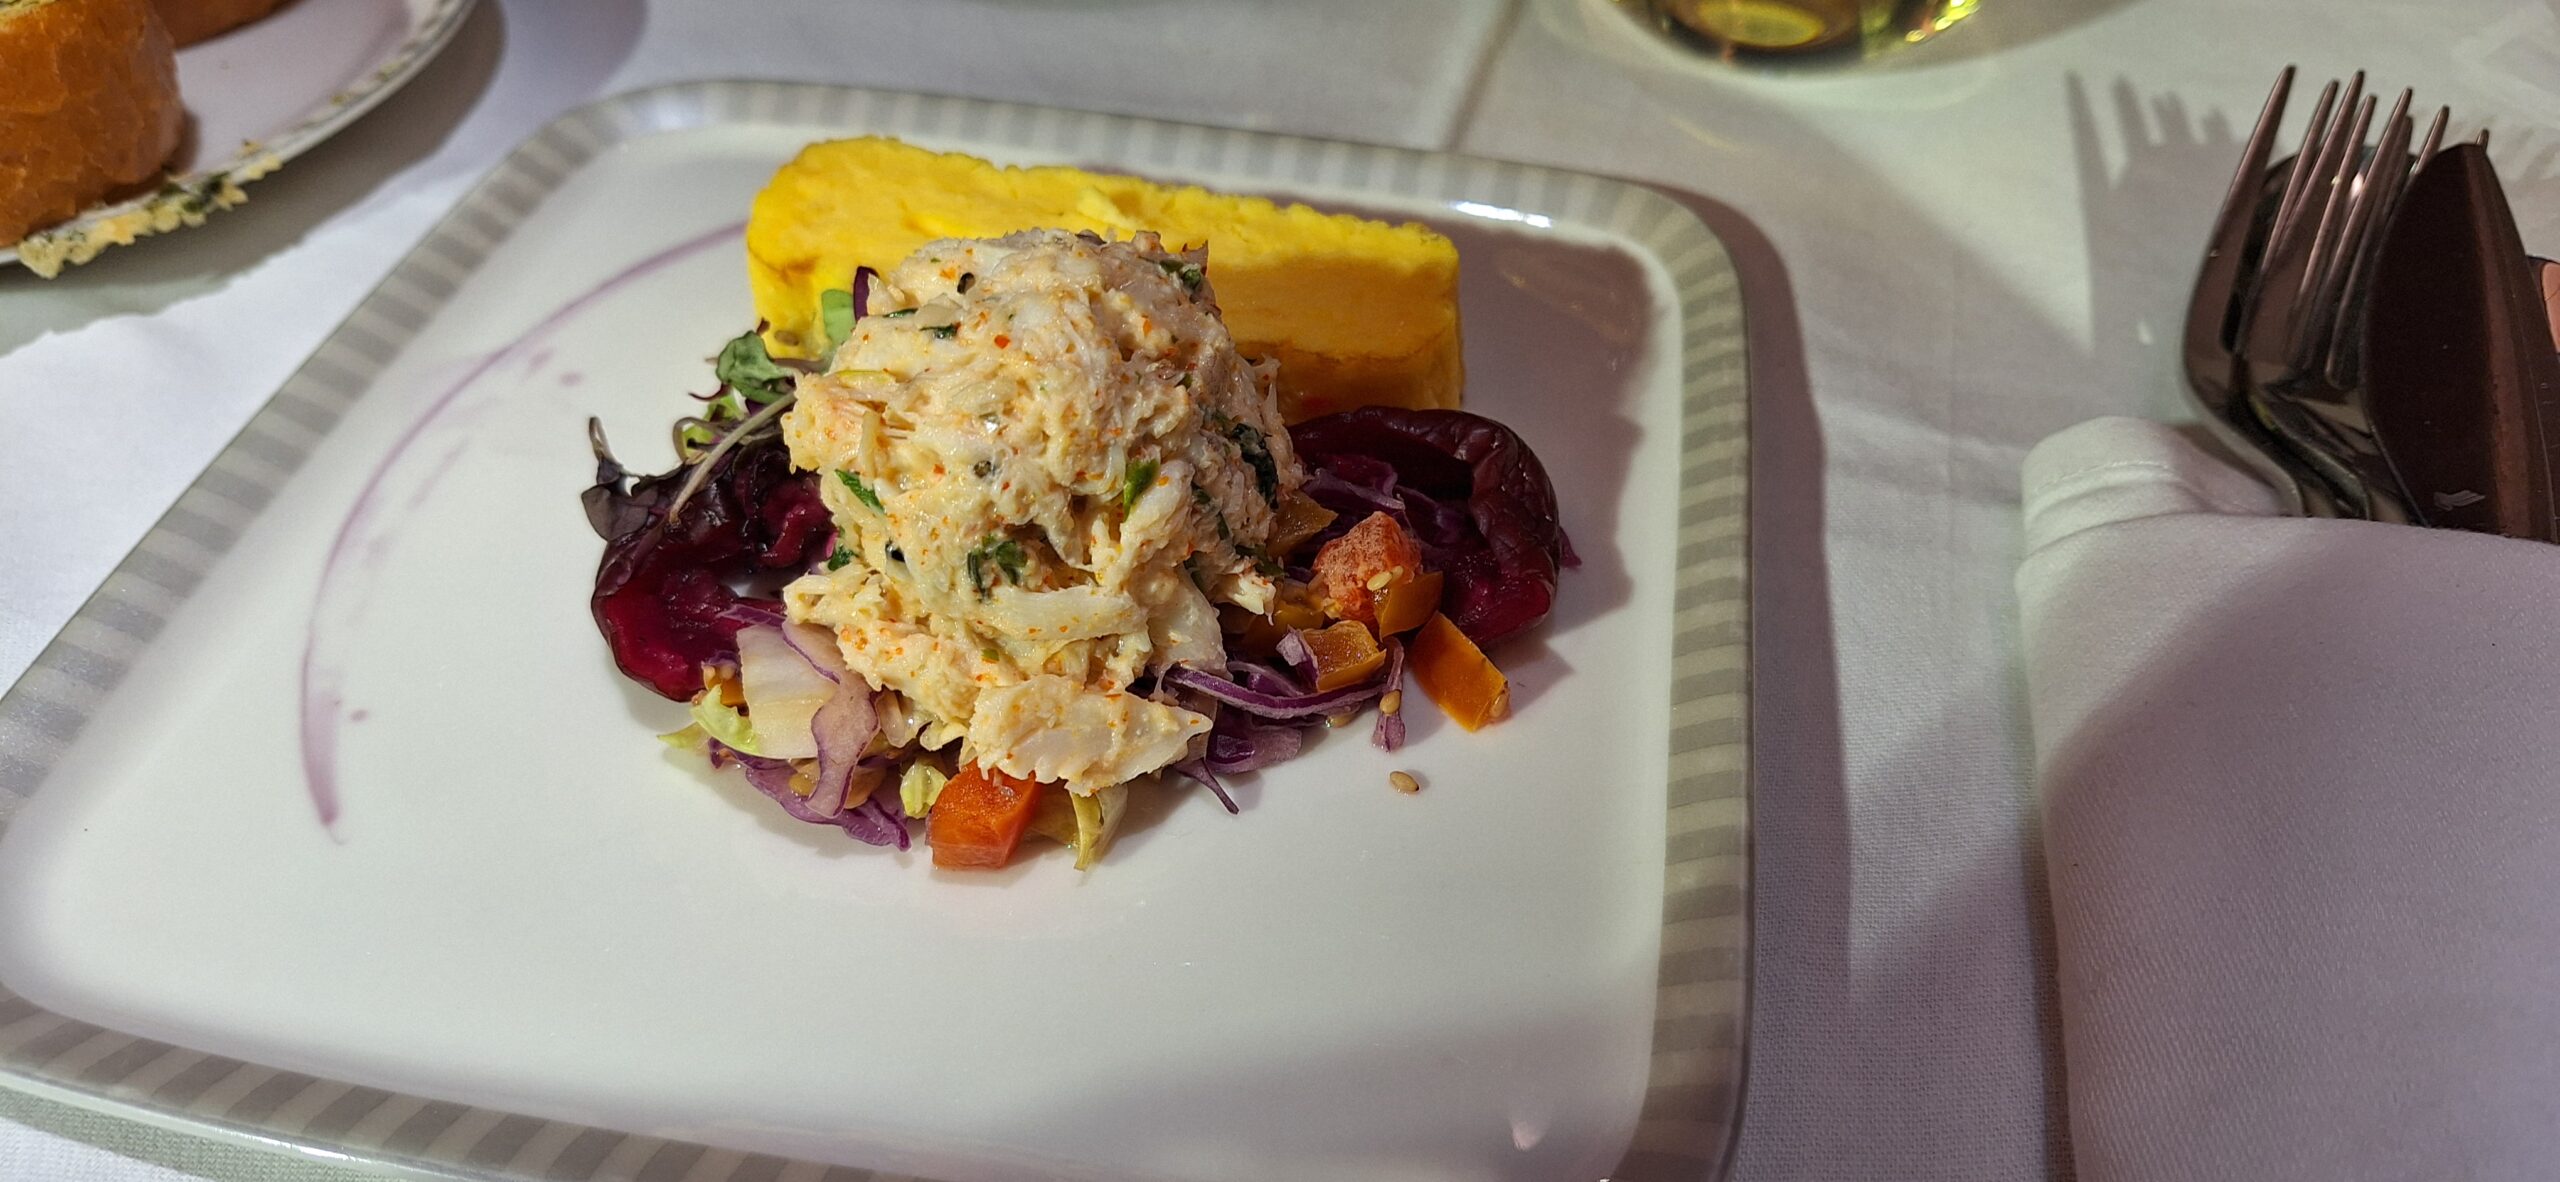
[{"x": 1946, "y": 257}]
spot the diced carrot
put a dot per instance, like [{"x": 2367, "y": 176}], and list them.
[
  {"x": 1405, "y": 605},
  {"x": 1298, "y": 518},
  {"x": 979, "y": 818},
  {"x": 1456, "y": 674},
  {"x": 1352, "y": 569},
  {"x": 1345, "y": 654}
]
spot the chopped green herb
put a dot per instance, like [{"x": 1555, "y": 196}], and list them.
[
  {"x": 1257, "y": 452},
  {"x": 837, "y": 560},
  {"x": 835, "y": 316},
  {"x": 194, "y": 202},
  {"x": 861, "y": 492},
  {"x": 995, "y": 555},
  {"x": 1189, "y": 273},
  {"x": 944, "y": 331},
  {"x": 1135, "y": 482},
  {"x": 897, "y": 314},
  {"x": 745, "y": 367},
  {"x": 1209, "y": 504}
]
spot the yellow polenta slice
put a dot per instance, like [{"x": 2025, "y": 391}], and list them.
[{"x": 1356, "y": 311}]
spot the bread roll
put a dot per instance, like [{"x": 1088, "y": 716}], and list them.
[
  {"x": 191, "y": 21},
  {"x": 88, "y": 106}
]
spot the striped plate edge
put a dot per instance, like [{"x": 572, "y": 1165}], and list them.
[{"x": 1693, "y": 1093}]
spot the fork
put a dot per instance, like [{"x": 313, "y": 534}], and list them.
[
  {"x": 2299, "y": 324},
  {"x": 2216, "y": 376}
]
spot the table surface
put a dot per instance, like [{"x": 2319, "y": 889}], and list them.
[{"x": 1947, "y": 255}]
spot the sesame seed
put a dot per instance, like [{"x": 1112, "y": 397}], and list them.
[
  {"x": 1378, "y": 581},
  {"x": 1403, "y": 782},
  {"x": 1338, "y": 721},
  {"x": 1394, "y": 701}
]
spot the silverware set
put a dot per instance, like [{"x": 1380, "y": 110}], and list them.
[{"x": 2367, "y": 330}]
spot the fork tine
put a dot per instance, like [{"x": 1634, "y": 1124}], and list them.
[
  {"x": 2341, "y": 161},
  {"x": 2368, "y": 224},
  {"x": 2239, "y": 206},
  {"x": 2435, "y": 136},
  {"x": 2384, "y": 176},
  {"x": 2265, "y": 321},
  {"x": 2272, "y": 325},
  {"x": 2321, "y": 192},
  {"x": 2251, "y": 178},
  {"x": 2288, "y": 208},
  {"x": 2346, "y": 353}
]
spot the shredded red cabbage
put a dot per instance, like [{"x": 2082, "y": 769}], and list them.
[
  {"x": 1389, "y": 733},
  {"x": 1271, "y": 705},
  {"x": 1261, "y": 678},
  {"x": 1241, "y": 743},
  {"x": 879, "y": 820},
  {"x": 1469, "y": 490},
  {"x": 747, "y": 613},
  {"x": 1198, "y": 769},
  {"x": 843, "y": 727},
  {"x": 1293, "y": 649},
  {"x": 863, "y": 278}
]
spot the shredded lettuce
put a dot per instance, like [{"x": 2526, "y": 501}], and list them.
[
  {"x": 1053, "y": 817},
  {"x": 835, "y": 316},
  {"x": 918, "y": 787},
  {"x": 722, "y": 722},
  {"x": 1097, "y": 818},
  {"x": 691, "y": 738}
]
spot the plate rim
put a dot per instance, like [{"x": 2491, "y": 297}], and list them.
[
  {"x": 429, "y": 32},
  {"x": 1689, "y": 1122}
]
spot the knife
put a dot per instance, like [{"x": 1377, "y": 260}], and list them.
[
  {"x": 2549, "y": 273},
  {"x": 2457, "y": 388}
]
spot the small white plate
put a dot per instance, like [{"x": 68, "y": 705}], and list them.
[
  {"x": 264, "y": 93},
  {"x": 530, "y": 926}
]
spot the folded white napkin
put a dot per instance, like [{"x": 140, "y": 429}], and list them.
[{"x": 2301, "y": 786}]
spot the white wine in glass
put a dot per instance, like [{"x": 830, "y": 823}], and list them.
[{"x": 1773, "y": 29}]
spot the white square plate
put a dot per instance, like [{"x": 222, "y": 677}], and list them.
[{"x": 525, "y": 942}]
